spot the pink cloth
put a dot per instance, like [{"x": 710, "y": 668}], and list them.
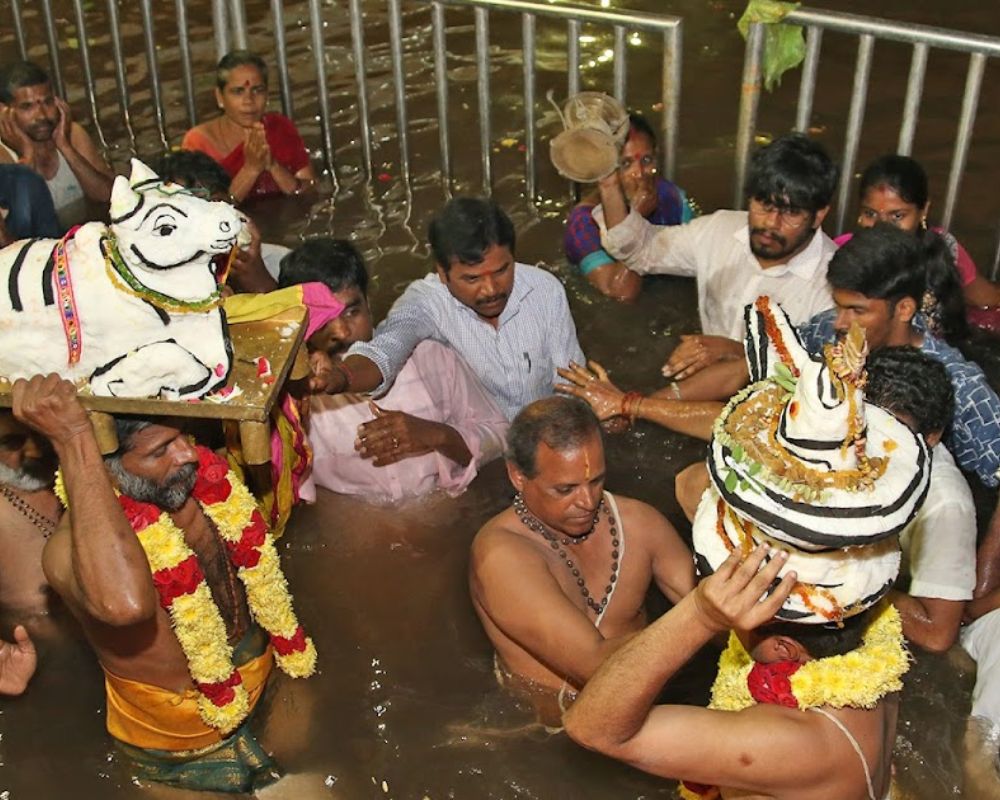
[{"x": 434, "y": 384}]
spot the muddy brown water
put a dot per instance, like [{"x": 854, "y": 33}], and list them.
[{"x": 405, "y": 705}]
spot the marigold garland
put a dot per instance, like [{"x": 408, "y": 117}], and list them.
[
  {"x": 183, "y": 592},
  {"x": 858, "y": 679}
]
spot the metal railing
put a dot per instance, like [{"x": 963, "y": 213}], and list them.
[
  {"x": 230, "y": 30},
  {"x": 868, "y": 30}
]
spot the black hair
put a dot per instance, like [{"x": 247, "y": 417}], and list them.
[
  {"x": 882, "y": 262},
  {"x": 18, "y": 75},
  {"x": 793, "y": 171},
  {"x": 335, "y": 262},
  {"x": 238, "y": 58},
  {"x": 943, "y": 304},
  {"x": 902, "y": 174},
  {"x": 466, "y": 228},
  {"x": 561, "y": 422},
  {"x": 637, "y": 123},
  {"x": 903, "y": 380},
  {"x": 193, "y": 169},
  {"x": 823, "y": 641},
  {"x": 127, "y": 428}
]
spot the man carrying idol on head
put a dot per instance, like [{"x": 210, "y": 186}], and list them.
[{"x": 797, "y": 542}]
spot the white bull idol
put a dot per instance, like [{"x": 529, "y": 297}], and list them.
[{"x": 132, "y": 309}]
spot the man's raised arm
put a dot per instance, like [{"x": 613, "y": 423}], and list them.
[{"x": 96, "y": 562}]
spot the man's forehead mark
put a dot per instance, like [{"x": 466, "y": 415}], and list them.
[{"x": 586, "y": 465}]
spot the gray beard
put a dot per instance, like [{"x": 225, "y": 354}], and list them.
[
  {"x": 169, "y": 496},
  {"x": 27, "y": 479}
]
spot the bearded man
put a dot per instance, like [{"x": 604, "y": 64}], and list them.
[
  {"x": 777, "y": 248},
  {"x": 559, "y": 580},
  {"x": 166, "y": 562}
]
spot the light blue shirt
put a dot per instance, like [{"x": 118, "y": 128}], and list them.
[{"x": 516, "y": 361}]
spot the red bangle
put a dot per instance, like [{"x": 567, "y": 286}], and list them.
[
  {"x": 346, "y": 372},
  {"x": 630, "y": 401}
]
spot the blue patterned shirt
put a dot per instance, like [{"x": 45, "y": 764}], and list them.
[
  {"x": 974, "y": 435},
  {"x": 516, "y": 361}
]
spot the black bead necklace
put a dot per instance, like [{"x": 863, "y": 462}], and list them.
[
  {"x": 532, "y": 523},
  {"x": 36, "y": 518}
]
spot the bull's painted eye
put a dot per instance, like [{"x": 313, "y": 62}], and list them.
[{"x": 164, "y": 225}]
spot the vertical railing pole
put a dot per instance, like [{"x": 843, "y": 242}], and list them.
[
  {"x": 483, "y": 95},
  {"x": 528, "y": 51},
  {"x": 573, "y": 57},
  {"x": 749, "y": 100},
  {"x": 146, "y": 7},
  {"x": 318, "y": 46},
  {"x": 88, "y": 74},
  {"x": 673, "y": 43},
  {"x": 620, "y": 66},
  {"x": 914, "y": 91},
  {"x": 220, "y": 27},
  {"x": 184, "y": 48},
  {"x": 970, "y": 103},
  {"x": 441, "y": 90},
  {"x": 399, "y": 87},
  {"x": 807, "y": 85},
  {"x": 53, "y": 40},
  {"x": 281, "y": 54},
  {"x": 121, "y": 82},
  {"x": 16, "y": 13},
  {"x": 855, "y": 118},
  {"x": 238, "y": 21},
  {"x": 995, "y": 272},
  {"x": 361, "y": 81}
]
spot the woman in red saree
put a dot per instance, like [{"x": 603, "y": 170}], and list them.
[{"x": 262, "y": 152}]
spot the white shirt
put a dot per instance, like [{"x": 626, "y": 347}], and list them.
[
  {"x": 516, "y": 361},
  {"x": 715, "y": 250},
  {"x": 939, "y": 546}
]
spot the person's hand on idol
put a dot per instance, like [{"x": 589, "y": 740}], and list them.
[
  {"x": 738, "y": 595},
  {"x": 697, "y": 351},
  {"x": 50, "y": 405},
  {"x": 247, "y": 272}
]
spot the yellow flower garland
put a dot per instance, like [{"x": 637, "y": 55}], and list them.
[
  {"x": 198, "y": 624},
  {"x": 859, "y": 679}
]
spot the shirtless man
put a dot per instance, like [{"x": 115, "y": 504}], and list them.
[
  {"x": 583, "y": 558},
  {"x": 95, "y": 561},
  {"x": 37, "y": 130},
  {"x": 29, "y": 512}
]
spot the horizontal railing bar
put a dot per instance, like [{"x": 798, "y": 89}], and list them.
[
  {"x": 634, "y": 19},
  {"x": 897, "y": 31}
]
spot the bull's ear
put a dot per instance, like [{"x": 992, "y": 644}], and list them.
[
  {"x": 123, "y": 199},
  {"x": 141, "y": 173}
]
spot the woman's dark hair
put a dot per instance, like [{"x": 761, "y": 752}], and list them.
[
  {"x": 561, "y": 422},
  {"x": 902, "y": 174},
  {"x": 903, "y": 380},
  {"x": 637, "y": 123},
  {"x": 793, "y": 171},
  {"x": 238, "y": 58},
  {"x": 335, "y": 262},
  {"x": 193, "y": 169},
  {"x": 943, "y": 304},
  {"x": 466, "y": 228}
]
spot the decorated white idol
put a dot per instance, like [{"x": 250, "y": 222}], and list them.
[{"x": 131, "y": 309}]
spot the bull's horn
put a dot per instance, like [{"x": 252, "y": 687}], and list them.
[
  {"x": 124, "y": 199},
  {"x": 141, "y": 173}
]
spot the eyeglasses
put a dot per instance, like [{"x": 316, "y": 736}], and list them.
[{"x": 789, "y": 216}]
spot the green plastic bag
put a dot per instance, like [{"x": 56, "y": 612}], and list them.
[{"x": 784, "y": 45}]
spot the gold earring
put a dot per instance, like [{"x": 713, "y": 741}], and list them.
[{"x": 923, "y": 223}]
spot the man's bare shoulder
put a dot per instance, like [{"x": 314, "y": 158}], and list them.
[
  {"x": 499, "y": 541},
  {"x": 640, "y": 516}
]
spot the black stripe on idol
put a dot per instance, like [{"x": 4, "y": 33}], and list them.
[
  {"x": 15, "y": 273},
  {"x": 48, "y": 293}
]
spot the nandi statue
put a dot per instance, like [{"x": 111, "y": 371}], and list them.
[{"x": 131, "y": 309}]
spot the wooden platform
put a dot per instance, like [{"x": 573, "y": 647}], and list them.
[{"x": 278, "y": 339}]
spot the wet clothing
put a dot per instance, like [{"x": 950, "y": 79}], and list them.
[
  {"x": 284, "y": 140},
  {"x": 715, "y": 251},
  {"x": 434, "y": 384},
  {"x": 974, "y": 434},
  {"x": 515, "y": 361},
  {"x": 30, "y": 211},
  {"x": 981, "y": 639},
  {"x": 583, "y": 236},
  {"x": 164, "y": 734}
]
